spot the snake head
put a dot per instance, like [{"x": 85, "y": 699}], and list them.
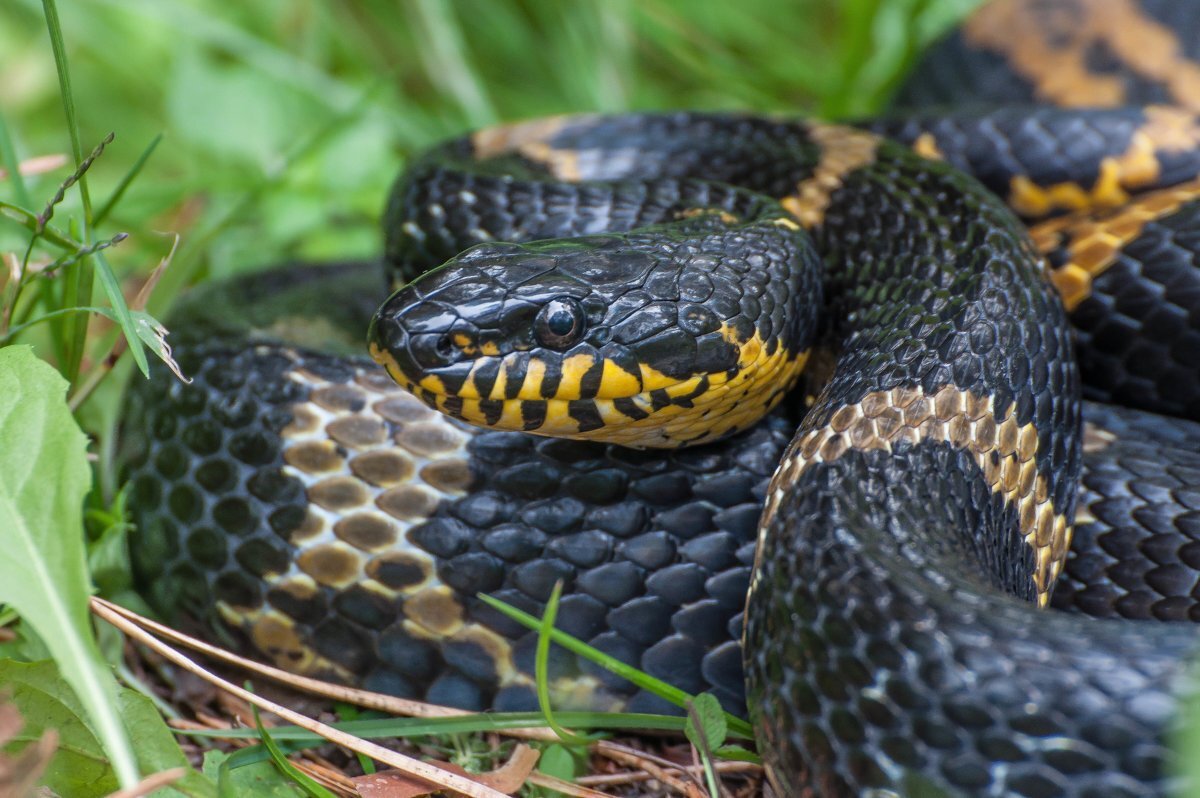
[{"x": 619, "y": 338}]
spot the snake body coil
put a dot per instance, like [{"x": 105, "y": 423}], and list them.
[{"x": 922, "y": 508}]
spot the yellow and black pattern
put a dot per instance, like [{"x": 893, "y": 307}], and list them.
[
  {"x": 921, "y": 512},
  {"x": 1044, "y": 161},
  {"x": 1004, "y": 451},
  {"x": 339, "y": 527},
  {"x": 684, "y": 331},
  {"x": 1068, "y": 53}
]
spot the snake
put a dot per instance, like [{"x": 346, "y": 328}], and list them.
[{"x": 669, "y": 358}]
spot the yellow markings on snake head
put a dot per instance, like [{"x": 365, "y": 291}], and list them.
[
  {"x": 573, "y": 369},
  {"x": 653, "y": 380},
  {"x": 616, "y": 381},
  {"x": 471, "y": 347},
  {"x": 752, "y": 350},
  {"x": 432, "y": 383},
  {"x": 501, "y": 384},
  {"x": 646, "y": 409},
  {"x": 842, "y": 151},
  {"x": 535, "y": 373},
  {"x": 1005, "y": 451},
  {"x": 384, "y": 358}
]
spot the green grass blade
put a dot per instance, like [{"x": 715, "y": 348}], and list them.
[
  {"x": 542, "y": 668},
  {"x": 287, "y": 768},
  {"x": 447, "y": 61},
  {"x": 79, "y": 284},
  {"x": 128, "y": 179},
  {"x": 8, "y": 157},
  {"x": 376, "y": 728},
  {"x": 50, "y": 9},
  {"x": 660, "y": 688},
  {"x": 112, "y": 290},
  {"x": 53, "y": 314}
]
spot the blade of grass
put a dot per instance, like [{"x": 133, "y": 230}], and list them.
[
  {"x": 50, "y": 9},
  {"x": 657, "y": 686},
  {"x": 541, "y": 668},
  {"x": 129, "y": 177},
  {"x": 376, "y": 728},
  {"x": 16, "y": 329},
  {"x": 447, "y": 61},
  {"x": 112, "y": 290},
  {"x": 79, "y": 283},
  {"x": 8, "y": 156},
  {"x": 281, "y": 761}
]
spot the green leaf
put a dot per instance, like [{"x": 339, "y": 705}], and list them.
[
  {"x": 80, "y": 767},
  {"x": 706, "y": 729},
  {"x": 706, "y": 710},
  {"x": 261, "y": 779},
  {"x": 44, "y": 476},
  {"x": 112, "y": 290},
  {"x": 557, "y": 761}
]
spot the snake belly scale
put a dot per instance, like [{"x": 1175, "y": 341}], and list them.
[{"x": 923, "y": 508}]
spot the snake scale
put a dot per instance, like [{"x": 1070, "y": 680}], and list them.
[{"x": 897, "y": 516}]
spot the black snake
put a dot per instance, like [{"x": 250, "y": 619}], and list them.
[{"x": 927, "y": 497}]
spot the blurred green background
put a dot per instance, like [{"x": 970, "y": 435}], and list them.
[{"x": 284, "y": 121}]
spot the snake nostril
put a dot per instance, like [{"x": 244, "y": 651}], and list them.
[{"x": 433, "y": 350}]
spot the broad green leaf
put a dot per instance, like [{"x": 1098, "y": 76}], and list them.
[
  {"x": 706, "y": 729},
  {"x": 81, "y": 766},
  {"x": 44, "y": 476},
  {"x": 557, "y": 761},
  {"x": 260, "y": 779},
  {"x": 706, "y": 726}
]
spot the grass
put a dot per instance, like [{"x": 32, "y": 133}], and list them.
[{"x": 235, "y": 136}]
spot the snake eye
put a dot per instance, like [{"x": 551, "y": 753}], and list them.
[{"x": 560, "y": 323}]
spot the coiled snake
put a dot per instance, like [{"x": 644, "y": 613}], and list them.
[{"x": 923, "y": 506}]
